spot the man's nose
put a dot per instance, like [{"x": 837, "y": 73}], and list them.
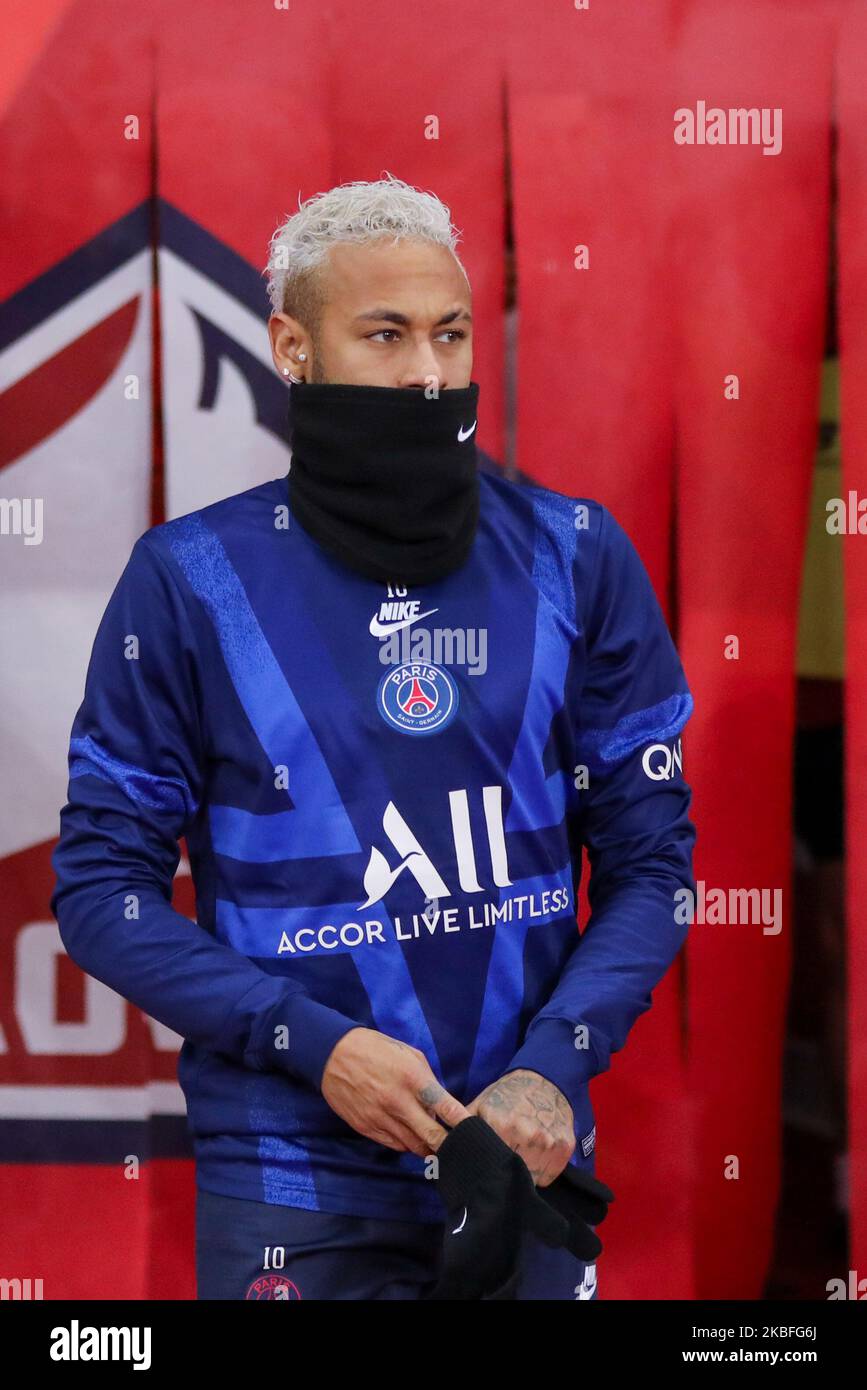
[{"x": 421, "y": 366}]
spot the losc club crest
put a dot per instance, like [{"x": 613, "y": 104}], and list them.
[{"x": 417, "y": 698}]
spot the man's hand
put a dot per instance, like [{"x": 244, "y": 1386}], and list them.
[
  {"x": 534, "y": 1118},
  {"x": 386, "y": 1091}
]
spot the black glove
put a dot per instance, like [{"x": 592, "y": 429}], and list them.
[
  {"x": 582, "y": 1201},
  {"x": 491, "y": 1200}
]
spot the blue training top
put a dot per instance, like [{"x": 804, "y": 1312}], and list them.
[{"x": 384, "y": 794}]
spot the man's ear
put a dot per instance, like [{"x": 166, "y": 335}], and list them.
[{"x": 288, "y": 339}]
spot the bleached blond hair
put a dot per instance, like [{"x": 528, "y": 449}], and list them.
[{"x": 355, "y": 212}]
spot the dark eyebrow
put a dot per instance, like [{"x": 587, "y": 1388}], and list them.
[{"x": 392, "y": 316}]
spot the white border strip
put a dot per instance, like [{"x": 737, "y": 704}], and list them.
[{"x": 91, "y": 1102}]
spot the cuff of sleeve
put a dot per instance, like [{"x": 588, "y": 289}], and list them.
[
  {"x": 298, "y": 1036},
  {"x": 550, "y": 1050}
]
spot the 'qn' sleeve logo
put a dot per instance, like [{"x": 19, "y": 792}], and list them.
[{"x": 661, "y": 761}]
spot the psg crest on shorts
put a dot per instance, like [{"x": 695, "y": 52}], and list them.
[
  {"x": 417, "y": 698},
  {"x": 273, "y": 1286}
]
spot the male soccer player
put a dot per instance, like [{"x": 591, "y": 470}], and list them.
[{"x": 386, "y": 698}]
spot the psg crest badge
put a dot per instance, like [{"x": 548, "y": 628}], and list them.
[
  {"x": 417, "y": 698},
  {"x": 273, "y": 1286}
]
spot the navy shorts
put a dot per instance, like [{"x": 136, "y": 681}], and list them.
[{"x": 258, "y": 1250}]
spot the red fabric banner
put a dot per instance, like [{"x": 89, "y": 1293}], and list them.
[
  {"x": 852, "y": 309},
  {"x": 76, "y": 344},
  {"x": 750, "y": 248},
  {"x": 590, "y": 132},
  {"x": 702, "y": 261}
]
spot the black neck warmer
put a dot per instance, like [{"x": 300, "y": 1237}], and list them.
[{"x": 385, "y": 478}]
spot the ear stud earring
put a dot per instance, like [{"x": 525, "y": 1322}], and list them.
[{"x": 302, "y": 357}]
